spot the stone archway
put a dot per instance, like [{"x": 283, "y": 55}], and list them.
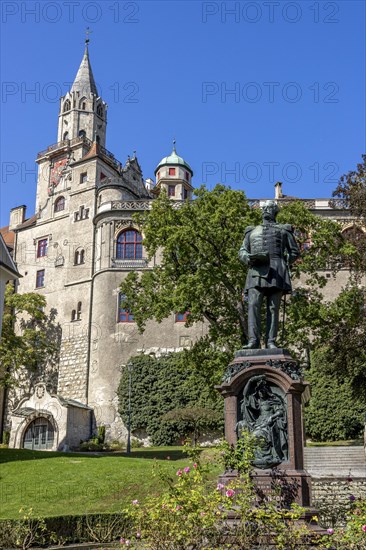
[{"x": 39, "y": 435}]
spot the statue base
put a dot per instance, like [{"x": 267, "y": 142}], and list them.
[{"x": 281, "y": 372}]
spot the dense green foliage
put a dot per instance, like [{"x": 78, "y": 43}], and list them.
[
  {"x": 200, "y": 271},
  {"x": 333, "y": 412},
  {"x": 162, "y": 385},
  {"x": 29, "y": 337}
]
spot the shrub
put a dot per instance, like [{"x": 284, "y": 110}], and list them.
[
  {"x": 333, "y": 412},
  {"x": 160, "y": 386}
]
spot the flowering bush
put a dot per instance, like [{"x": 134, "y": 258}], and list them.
[
  {"x": 352, "y": 536},
  {"x": 194, "y": 513}
]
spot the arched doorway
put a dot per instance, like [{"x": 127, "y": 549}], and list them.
[{"x": 39, "y": 435}]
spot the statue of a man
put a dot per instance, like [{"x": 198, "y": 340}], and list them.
[{"x": 268, "y": 249}]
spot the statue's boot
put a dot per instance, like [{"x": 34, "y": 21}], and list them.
[
  {"x": 271, "y": 345},
  {"x": 252, "y": 344}
]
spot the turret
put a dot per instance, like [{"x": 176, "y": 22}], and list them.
[{"x": 174, "y": 175}]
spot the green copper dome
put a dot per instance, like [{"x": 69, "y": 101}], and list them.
[{"x": 174, "y": 160}]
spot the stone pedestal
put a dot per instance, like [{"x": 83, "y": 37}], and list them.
[{"x": 282, "y": 373}]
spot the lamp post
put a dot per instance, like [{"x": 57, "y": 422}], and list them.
[{"x": 129, "y": 367}]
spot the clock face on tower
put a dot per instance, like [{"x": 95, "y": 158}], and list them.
[{"x": 56, "y": 173}]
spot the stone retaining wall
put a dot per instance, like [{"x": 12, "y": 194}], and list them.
[{"x": 333, "y": 496}]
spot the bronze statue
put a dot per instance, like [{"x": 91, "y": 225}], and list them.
[
  {"x": 268, "y": 249},
  {"x": 263, "y": 413}
]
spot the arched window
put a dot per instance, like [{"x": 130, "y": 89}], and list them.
[
  {"x": 66, "y": 136},
  {"x": 124, "y": 315},
  {"x": 82, "y": 133},
  {"x": 39, "y": 435},
  {"x": 67, "y": 106},
  {"x": 129, "y": 245},
  {"x": 60, "y": 204},
  {"x": 100, "y": 111},
  {"x": 82, "y": 103},
  {"x": 79, "y": 257},
  {"x": 73, "y": 315},
  {"x": 98, "y": 139}
]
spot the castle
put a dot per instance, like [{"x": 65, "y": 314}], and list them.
[{"x": 76, "y": 250}]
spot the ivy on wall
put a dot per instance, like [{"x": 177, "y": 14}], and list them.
[{"x": 160, "y": 385}]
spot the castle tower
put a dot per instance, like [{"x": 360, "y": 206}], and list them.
[
  {"x": 82, "y": 112},
  {"x": 174, "y": 175}
]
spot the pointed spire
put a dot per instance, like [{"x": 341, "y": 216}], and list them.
[
  {"x": 84, "y": 81},
  {"x": 174, "y": 149}
]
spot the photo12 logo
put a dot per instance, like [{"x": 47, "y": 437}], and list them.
[
  {"x": 269, "y": 12},
  {"x": 70, "y": 11}
]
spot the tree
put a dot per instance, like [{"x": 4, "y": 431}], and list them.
[
  {"x": 351, "y": 190},
  {"x": 199, "y": 270},
  {"x": 30, "y": 338}
]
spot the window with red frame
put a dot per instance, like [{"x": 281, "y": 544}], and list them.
[
  {"x": 124, "y": 315},
  {"x": 171, "y": 190},
  {"x": 40, "y": 278},
  {"x": 181, "y": 317},
  {"x": 129, "y": 245},
  {"x": 42, "y": 248},
  {"x": 171, "y": 171}
]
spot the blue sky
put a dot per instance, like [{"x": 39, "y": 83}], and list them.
[{"x": 254, "y": 92}]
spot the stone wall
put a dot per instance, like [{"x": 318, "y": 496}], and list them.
[
  {"x": 73, "y": 368},
  {"x": 333, "y": 496}
]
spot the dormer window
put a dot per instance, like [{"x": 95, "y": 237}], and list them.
[
  {"x": 67, "y": 106},
  {"x": 171, "y": 171}
]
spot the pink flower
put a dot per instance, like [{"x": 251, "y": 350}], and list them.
[
  {"x": 178, "y": 507},
  {"x": 135, "y": 502},
  {"x": 202, "y": 514},
  {"x": 220, "y": 486},
  {"x": 363, "y": 528},
  {"x": 187, "y": 469},
  {"x": 230, "y": 493},
  {"x": 138, "y": 535},
  {"x": 168, "y": 457},
  {"x": 122, "y": 541},
  {"x": 128, "y": 542},
  {"x": 179, "y": 472},
  {"x": 330, "y": 531},
  {"x": 195, "y": 465}
]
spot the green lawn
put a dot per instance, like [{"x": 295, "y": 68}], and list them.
[{"x": 56, "y": 484}]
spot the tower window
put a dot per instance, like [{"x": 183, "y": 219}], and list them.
[
  {"x": 129, "y": 245},
  {"x": 158, "y": 175},
  {"x": 84, "y": 177},
  {"x": 171, "y": 190},
  {"x": 66, "y": 136},
  {"x": 79, "y": 257},
  {"x": 67, "y": 106},
  {"x": 42, "y": 248},
  {"x": 78, "y": 312},
  {"x": 187, "y": 176},
  {"x": 40, "y": 278},
  {"x": 73, "y": 315},
  {"x": 83, "y": 106},
  {"x": 124, "y": 315},
  {"x": 185, "y": 194},
  {"x": 82, "y": 133},
  {"x": 171, "y": 171},
  {"x": 100, "y": 111},
  {"x": 97, "y": 139},
  {"x": 60, "y": 204}
]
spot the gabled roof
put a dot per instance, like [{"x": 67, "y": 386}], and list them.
[
  {"x": 6, "y": 261},
  {"x": 8, "y": 236}
]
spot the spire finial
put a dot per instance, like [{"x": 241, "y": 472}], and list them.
[
  {"x": 174, "y": 142},
  {"x": 87, "y": 33}
]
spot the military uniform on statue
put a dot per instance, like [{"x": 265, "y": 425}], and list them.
[{"x": 268, "y": 249}]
